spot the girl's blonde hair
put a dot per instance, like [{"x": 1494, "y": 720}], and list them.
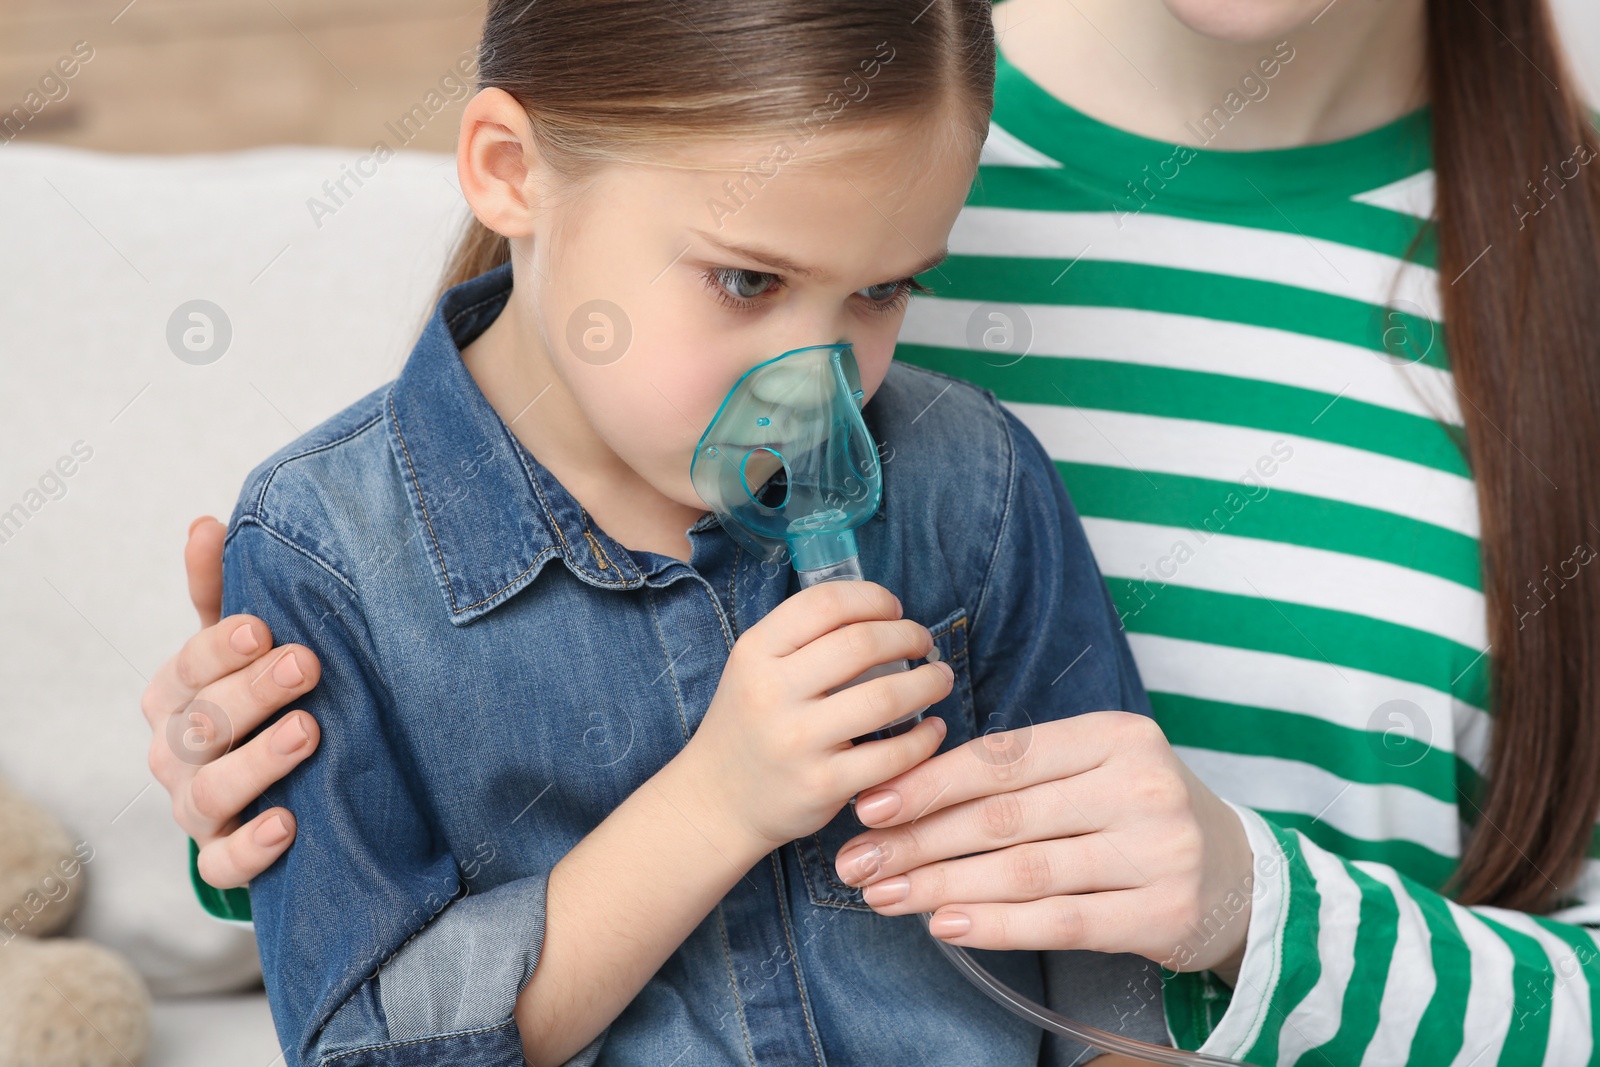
[{"x": 614, "y": 80}]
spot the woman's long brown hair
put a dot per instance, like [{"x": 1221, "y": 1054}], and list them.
[{"x": 1517, "y": 167}]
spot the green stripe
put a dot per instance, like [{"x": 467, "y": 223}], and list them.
[
  {"x": 1167, "y": 392},
  {"x": 1368, "y": 757},
  {"x": 1301, "y": 966},
  {"x": 231, "y": 904},
  {"x": 1585, "y": 958},
  {"x": 1530, "y": 1013},
  {"x": 1220, "y": 298},
  {"x": 1317, "y": 634},
  {"x": 1348, "y": 222},
  {"x": 1440, "y": 1033},
  {"x": 1409, "y": 858},
  {"x": 1282, "y": 516},
  {"x": 1376, "y": 933}
]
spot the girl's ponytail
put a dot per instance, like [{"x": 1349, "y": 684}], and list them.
[{"x": 1517, "y": 167}]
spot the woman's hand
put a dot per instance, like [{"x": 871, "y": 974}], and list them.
[
  {"x": 1091, "y": 834},
  {"x": 222, "y": 684}
]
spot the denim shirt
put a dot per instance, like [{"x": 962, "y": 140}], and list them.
[{"x": 498, "y": 674}]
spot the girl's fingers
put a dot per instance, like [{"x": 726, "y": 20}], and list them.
[
  {"x": 875, "y": 703},
  {"x": 1033, "y": 813},
  {"x": 1032, "y": 871},
  {"x": 810, "y": 613},
  {"x": 873, "y": 761},
  {"x": 205, "y": 658},
  {"x": 1117, "y": 921},
  {"x": 202, "y": 560},
  {"x": 219, "y": 790},
  {"x": 835, "y": 658},
  {"x": 231, "y": 861}
]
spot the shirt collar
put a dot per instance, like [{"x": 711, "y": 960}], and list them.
[{"x": 489, "y": 514}]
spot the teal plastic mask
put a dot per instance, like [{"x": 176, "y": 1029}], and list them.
[{"x": 787, "y": 464}]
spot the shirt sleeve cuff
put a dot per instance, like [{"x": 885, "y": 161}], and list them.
[{"x": 1201, "y": 1011}]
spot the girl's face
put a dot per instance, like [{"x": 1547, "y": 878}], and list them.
[{"x": 654, "y": 288}]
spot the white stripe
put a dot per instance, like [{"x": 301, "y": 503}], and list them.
[
  {"x": 1153, "y": 239},
  {"x": 1489, "y": 999},
  {"x": 1408, "y": 196},
  {"x": 1315, "y": 1020},
  {"x": 1368, "y": 812},
  {"x": 1154, "y": 444},
  {"x": 1250, "y": 567},
  {"x": 1299, "y": 685},
  {"x": 1262, "y": 967},
  {"x": 1586, "y": 890},
  {"x": 1410, "y": 983},
  {"x": 1004, "y": 149},
  {"x": 1567, "y": 998},
  {"x": 1186, "y": 342}
]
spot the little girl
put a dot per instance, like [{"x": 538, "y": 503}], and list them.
[{"x": 582, "y": 777}]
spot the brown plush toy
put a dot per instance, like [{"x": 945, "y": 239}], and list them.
[{"x": 63, "y": 1002}]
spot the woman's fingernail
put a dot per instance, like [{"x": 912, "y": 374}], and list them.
[
  {"x": 290, "y": 736},
  {"x": 197, "y": 522},
  {"x": 273, "y": 831},
  {"x": 881, "y": 805},
  {"x": 950, "y": 924},
  {"x": 286, "y": 672},
  {"x": 889, "y": 891},
  {"x": 244, "y": 640},
  {"x": 863, "y": 864}
]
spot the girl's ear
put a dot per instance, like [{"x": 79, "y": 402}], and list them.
[{"x": 497, "y": 161}]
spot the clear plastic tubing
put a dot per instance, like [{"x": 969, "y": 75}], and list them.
[{"x": 1002, "y": 994}]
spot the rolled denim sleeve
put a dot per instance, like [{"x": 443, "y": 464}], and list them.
[
  {"x": 375, "y": 949},
  {"x": 1047, "y": 641}
]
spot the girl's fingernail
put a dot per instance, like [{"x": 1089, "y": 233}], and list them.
[
  {"x": 244, "y": 640},
  {"x": 197, "y": 522},
  {"x": 950, "y": 924},
  {"x": 880, "y": 805},
  {"x": 271, "y": 832},
  {"x": 949, "y": 672},
  {"x": 286, "y": 672},
  {"x": 889, "y": 891},
  {"x": 290, "y": 736}
]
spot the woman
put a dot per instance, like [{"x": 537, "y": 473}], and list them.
[{"x": 1197, "y": 264}]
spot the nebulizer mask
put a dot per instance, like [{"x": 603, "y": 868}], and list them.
[{"x": 789, "y": 468}]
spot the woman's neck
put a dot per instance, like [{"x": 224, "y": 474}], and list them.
[{"x": 1133, "y": 65}]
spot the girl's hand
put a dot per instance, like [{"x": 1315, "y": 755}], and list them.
[
  {"x": 221, "y": 685},
  {"x": 1092, "y": 834},
  {"x": 775, "y": 749}
]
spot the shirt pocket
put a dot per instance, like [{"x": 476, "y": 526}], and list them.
[{"x": 819, "y": 851}]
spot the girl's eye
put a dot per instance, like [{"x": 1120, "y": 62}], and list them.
[
  {"x": 738, "y": 287},
  {"x": 882, "y": 292}
]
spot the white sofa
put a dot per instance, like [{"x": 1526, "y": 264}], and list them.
[{"x": 97, "y": 252}]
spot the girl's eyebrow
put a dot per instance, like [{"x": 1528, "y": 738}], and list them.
[{"x": 782, "y": 263}]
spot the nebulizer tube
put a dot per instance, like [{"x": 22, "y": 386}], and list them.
[{"x": 790, "y": 469}]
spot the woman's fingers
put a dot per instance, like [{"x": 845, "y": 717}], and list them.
[
  {"x": 202, "y": 560},
  {"x": 1005, "y": 761},
  {"x": 1102, "y": 922},
  {"x": 1034, "y": 813},
  {"x": 220, "y": 789},
  {"x": 1030, "y": 871},
  {"x": 231, "y": 861},
  {"x": 212, "y": 654}
]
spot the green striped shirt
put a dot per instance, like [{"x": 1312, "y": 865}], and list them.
[{"x": 1237, "y": 361}]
